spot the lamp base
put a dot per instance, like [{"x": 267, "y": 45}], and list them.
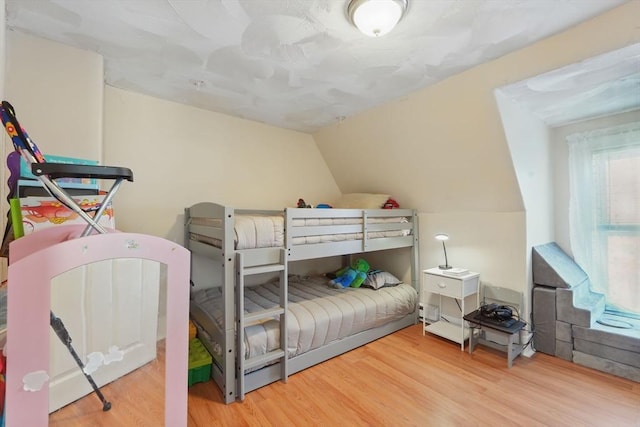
[{"x": 445, "y": 267}]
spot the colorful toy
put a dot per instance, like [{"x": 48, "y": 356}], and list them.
[
  {"x": 390, "y": 204},
  {"x": 352, "y": 275},
  {"x": 199, "y": 362},
  {"x": 303, "y": 204}
]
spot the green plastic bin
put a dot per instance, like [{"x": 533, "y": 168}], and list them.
[{"x": 199, "y": 362}]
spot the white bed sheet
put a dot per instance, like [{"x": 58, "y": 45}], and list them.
[{"x": 317, "y": 313}]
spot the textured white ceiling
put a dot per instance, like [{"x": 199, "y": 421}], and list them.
[
  {"x": 599, "y": 86},
  {"x": 296, "y": 64}
]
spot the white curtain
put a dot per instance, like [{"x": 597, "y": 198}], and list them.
[{"x": 589, "y": 153}]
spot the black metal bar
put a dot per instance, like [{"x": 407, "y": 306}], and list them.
[{"x": 63, "y": 334}]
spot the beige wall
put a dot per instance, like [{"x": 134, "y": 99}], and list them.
[
  {"x": 443, "y": 151},
  {"x": 182, "y": 155},
  {"x": 2, "y": 48},
  {"x": 57, "y": 92}
]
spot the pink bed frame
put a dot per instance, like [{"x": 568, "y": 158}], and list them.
[{"x": 34, "y": 260}]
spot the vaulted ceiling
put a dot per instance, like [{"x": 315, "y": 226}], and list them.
[{"x": 296, "y": 64}]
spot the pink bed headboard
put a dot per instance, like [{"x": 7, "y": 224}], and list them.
[{"x": 28, "y": 306}]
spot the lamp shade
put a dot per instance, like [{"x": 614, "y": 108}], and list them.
[
  {"x": 443, "y": 237},
  {"x": 376, "y": 18}
]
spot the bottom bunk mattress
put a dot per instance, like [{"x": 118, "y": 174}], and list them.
[{"x": 317, "y": 313}]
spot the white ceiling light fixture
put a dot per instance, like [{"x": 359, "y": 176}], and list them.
[{"x": 376, "y": 18}]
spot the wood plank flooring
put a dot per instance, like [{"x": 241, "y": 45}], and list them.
[{"x": 404, "y": 379}]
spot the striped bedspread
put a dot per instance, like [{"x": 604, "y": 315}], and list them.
[{"x": 317, "y": 313}]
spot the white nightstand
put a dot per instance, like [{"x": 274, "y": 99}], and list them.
[{"x": 458, "y": 286}]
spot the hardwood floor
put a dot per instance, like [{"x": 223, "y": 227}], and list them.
[{"x": 404, "y": 379}]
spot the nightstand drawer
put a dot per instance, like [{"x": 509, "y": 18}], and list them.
[{"x": 443, "y": 285}]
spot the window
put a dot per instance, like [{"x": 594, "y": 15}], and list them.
[{"x": 605, "y": 212}]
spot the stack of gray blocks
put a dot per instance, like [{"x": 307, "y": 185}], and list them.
[{"x": 566, "y": 314}]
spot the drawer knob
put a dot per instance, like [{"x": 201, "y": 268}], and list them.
[{"x": 442, "y": 285}]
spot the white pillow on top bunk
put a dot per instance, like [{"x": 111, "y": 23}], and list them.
[{"x": 361, "y": 201}]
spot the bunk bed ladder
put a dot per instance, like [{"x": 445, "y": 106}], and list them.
[{"x": 246, "y": 319}]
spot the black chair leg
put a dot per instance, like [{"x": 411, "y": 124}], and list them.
[{"x": 63, "y": 334}]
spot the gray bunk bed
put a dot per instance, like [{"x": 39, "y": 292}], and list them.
[{"x": 260, "y": 334}]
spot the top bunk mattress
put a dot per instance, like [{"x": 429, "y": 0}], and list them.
[
  {"x": 317, "y": 313},
  {"x": 266, "y": 231}
]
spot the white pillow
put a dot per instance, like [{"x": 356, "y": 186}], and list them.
[
  {"x": 361, "y": 201},
  {"x": 379, "y": 279}
]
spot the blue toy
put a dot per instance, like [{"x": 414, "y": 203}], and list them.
[{"x": 353, "y": 275}]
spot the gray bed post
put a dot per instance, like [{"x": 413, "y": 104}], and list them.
[
  {"x": 415, "y": 255},
  {"x": 185, "y": 236},
  {"x": 228, "y": 293}
]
